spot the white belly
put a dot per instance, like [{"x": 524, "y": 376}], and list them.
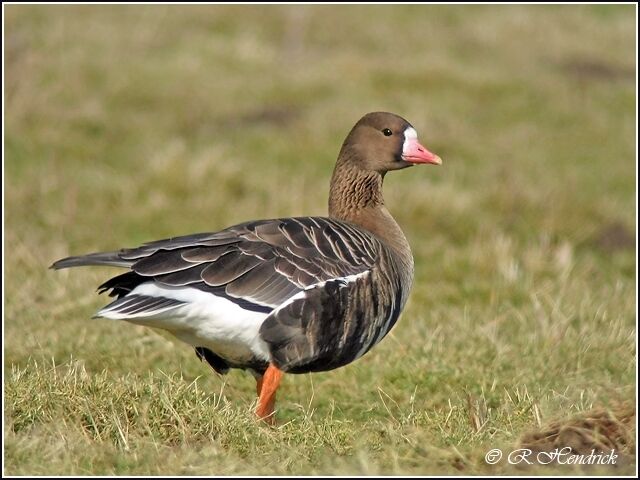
[{"x": 206, "y": 320}]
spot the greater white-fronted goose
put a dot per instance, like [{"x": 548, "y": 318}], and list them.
[{"x": 293, "y": 295}]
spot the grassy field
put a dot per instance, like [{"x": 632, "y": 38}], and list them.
[{"x": 125, "y": 124}]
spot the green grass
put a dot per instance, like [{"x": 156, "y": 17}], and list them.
[{"x": 125, "y": 124}]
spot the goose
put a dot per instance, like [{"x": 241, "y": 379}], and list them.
[{"x": 285, "y": 295}]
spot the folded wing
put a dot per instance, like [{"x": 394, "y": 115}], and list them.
[{"x": 258, "y": 265}]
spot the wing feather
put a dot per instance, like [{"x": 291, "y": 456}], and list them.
[
  {"x": 138, "y": 305},
  {"x": 229, "y": 267},
  {"x": 261, "y": 264}
]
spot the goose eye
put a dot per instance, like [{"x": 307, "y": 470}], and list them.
[{"x": 387, "y": 132}]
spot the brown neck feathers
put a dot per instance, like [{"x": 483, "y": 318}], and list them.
[
  {"x": 355, "y": 196},
  {"x": 352, "y": 190}
]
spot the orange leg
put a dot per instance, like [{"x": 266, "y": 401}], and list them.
[{"x": 267, "y": 396}]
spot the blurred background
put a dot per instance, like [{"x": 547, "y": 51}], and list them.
[{"x": 125, "y": 124}]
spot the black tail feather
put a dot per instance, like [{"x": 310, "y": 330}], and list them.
[{"x": 122, "y": 284}]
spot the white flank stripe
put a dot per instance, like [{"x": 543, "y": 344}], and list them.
[
  {"x": 348, "y": 279},
  {"x": 303, "y": 294}
]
